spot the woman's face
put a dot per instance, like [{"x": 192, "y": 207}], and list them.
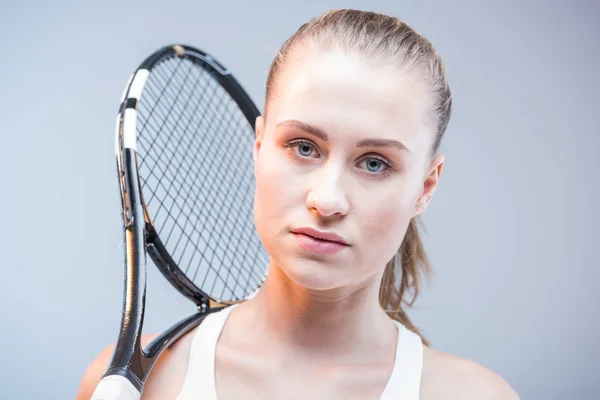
[{"x": 344, "y": 150}]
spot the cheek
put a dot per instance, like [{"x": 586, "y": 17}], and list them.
[
  {"x": 385, "y": 217},
  {"x": 275, "y": 191}
]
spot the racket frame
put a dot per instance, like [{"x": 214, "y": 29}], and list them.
[{"x": 130, "y": 360}]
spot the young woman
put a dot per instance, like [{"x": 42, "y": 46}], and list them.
[{"x": 346, "y": 159}]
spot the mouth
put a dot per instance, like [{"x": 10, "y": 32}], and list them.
[
  {"x": 320, "y": 235},
  {"x": 319, "y": 242}
]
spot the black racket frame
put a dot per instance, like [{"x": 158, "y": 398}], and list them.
[{"x": 129, "y": 359}]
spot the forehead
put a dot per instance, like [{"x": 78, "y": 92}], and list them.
[{"x": 341, "y": 92}]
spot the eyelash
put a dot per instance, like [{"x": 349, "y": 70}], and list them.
[{"x": 295, "y": 143}]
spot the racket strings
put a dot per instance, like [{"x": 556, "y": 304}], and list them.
[
  {"x": 202, "y": 216},
  {"x": 219, "y": 241},
  {"x": 227, "y": 248},
  {"x": 229, "y": 253},
  {"x": 161, "y": 119},
  {"x": 196, "y": 170},
  {"x": 164, "y": 145}
]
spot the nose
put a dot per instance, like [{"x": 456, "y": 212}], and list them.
[{"x": 327, "y": 194}]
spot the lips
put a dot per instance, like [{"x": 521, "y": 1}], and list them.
[
  {"x": 319, "y": 242},
  {"x": 320, "y": 235}
]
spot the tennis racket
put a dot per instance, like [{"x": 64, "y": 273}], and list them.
[{"x": 184, "y": 136}]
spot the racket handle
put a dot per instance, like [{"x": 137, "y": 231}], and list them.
[{"x": 115, "y": 387}]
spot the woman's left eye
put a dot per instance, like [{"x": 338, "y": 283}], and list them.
[{"x": 374, "y": 165}]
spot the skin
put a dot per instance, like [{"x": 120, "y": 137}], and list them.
[{"x": 322, "y": 311}]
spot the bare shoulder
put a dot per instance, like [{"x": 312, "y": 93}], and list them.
[
  {"x": 170, "y": 368},
  {"x": 446, "y": 376},
  {"x": 93, "y": 373}
]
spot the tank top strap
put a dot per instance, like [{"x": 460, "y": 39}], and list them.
[
  {"x": 200, "y": 377},
  {"x": 405, "y": 380}
]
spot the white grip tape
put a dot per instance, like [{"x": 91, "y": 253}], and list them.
[
  {"x": 137, "y": 84},
  {"x": 115, "y": 387},
  {"x": 129, "y": 130},
  {"x": 133, "y": 90}
]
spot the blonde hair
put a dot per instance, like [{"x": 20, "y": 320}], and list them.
[{"x": 381, "y": 37}]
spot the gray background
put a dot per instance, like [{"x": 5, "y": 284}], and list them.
[{"x": 511, "y": 230}]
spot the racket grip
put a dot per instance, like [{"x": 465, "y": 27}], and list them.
[{"x": 115, "y": 387}]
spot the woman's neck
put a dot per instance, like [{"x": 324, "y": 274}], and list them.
[{"x": 342, "y": 324}]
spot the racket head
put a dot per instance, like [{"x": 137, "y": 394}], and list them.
[{"x": 189, "y": 126}]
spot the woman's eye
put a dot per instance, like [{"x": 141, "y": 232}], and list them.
[
  {"x": 374, "y": 165},
  {"x": 303, "y": 148}
]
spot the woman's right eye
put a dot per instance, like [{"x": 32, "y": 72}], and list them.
[{"x": 302, "y": 148}]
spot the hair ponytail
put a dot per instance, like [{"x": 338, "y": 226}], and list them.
[{"x": 409, "y": 266}]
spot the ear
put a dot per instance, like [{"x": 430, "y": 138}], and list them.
[
  {"x": 430, "y": 184},
  {"x": 260, "y": 130}
]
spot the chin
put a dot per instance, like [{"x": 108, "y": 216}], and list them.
[
  {"x": 310, "y": 271},
  {"x": 313, "y": 274}
]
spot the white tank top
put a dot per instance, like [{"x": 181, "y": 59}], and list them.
[{"x": 404, "y": 382}]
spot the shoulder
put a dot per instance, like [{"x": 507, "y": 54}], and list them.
[
  {"x": 171, "y": 367},
  {"x": 93, "y": 373},
  {"x": 446, "y": 376}
]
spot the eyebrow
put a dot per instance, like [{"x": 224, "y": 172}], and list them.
[{"x": 321, "y": 134}]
